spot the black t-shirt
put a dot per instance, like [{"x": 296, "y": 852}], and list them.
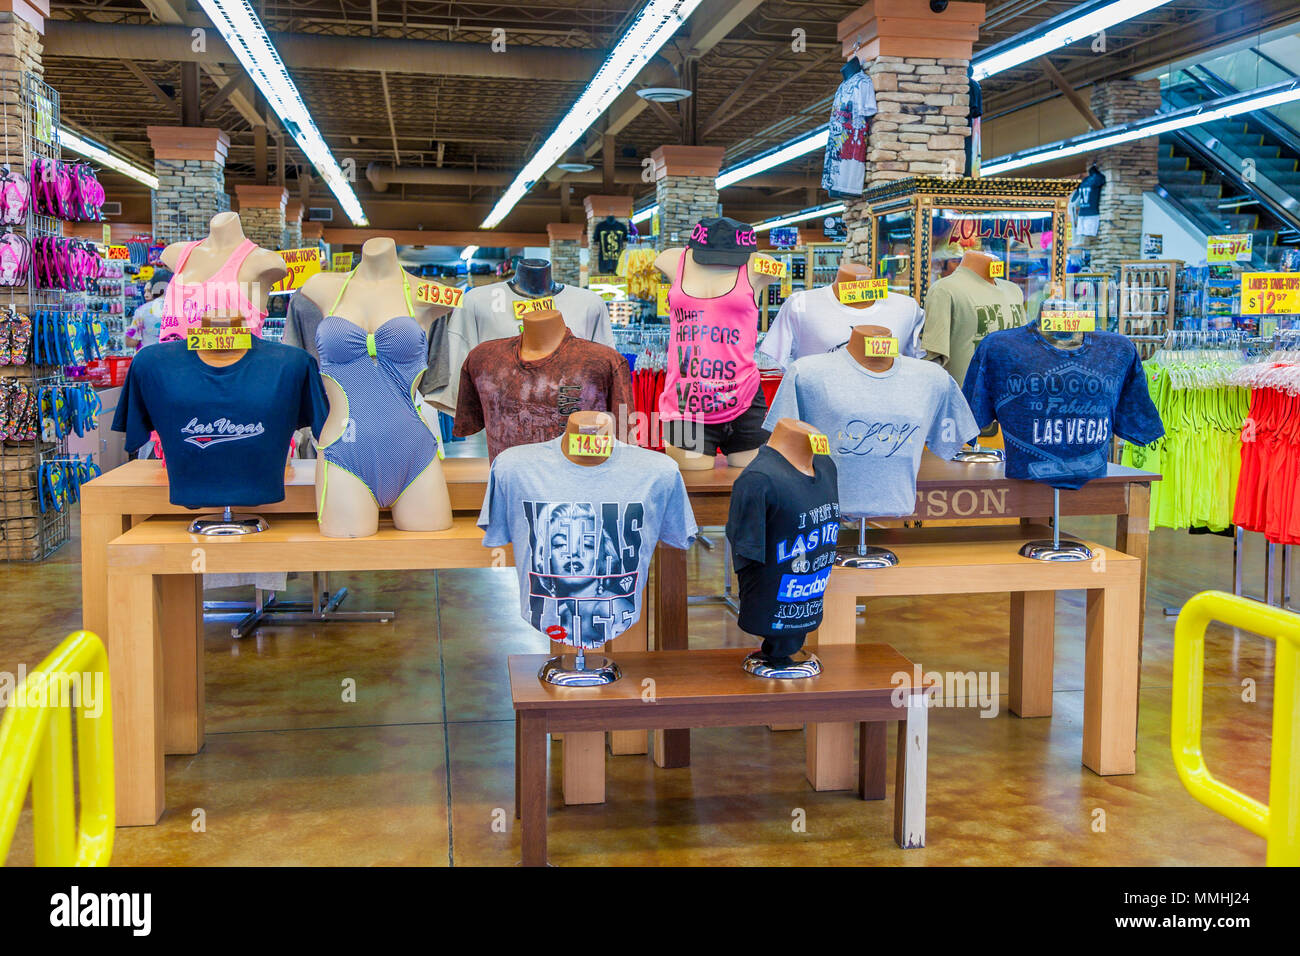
[
  {"x": 611, "y": 237},
  {"x": 783, "y": 527},
  {"x": 225, "y": 431},
  {"x": 1089, "y": 193}
]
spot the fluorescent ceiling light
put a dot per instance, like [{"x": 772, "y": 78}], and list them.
[
  {"x": 828, "y": 210},
  {"x": 83, "y": 147},
  {"x": 468, "y": 252},
  {"x": 775, "y": 157},
  {"x": 1076, "y": 26},
  {"x": 1261, "y": 99},
  {"x": 247, "y": 38},
  {"x": 646, "y": 213},
  {"x": 657, "y": 21}
]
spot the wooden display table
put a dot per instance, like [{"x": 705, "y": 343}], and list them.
[
  {"x": 708, "y": 688},
  {"x": 950, "y": 561}
]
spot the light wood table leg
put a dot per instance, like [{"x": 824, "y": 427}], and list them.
[
  {"x": 1033, "y": 636},
  {"x": 872, "y": 757},
  {"x": 830, "y": 745},
  {"x": 1110, "y": 692},
  {"x": 1133, "y": 537},
  {"x": 182, "y": 644},
  {"x": 909, "y": 785},
  {"x": 136, "y": 673},
  {"x": 533, "y": 789},
  {"x": 672, "y": 748},
  {"x": 635, "y": 638},
  {"x": 96, "y": 532}
]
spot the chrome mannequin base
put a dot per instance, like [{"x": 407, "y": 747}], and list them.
[
  {"x": 1055, "y": 551},
  {"x": 804, "y": 663},
  {"x": 981, "y": 456},
  {"x": 227, "y": 523},
  {"x": 568, "y": 670},
  {"x": 852, "y": 556}
]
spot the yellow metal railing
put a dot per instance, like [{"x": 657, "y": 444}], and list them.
[
  {"x": 36, "y": 747},
  {"x": 1278, "y": 821}
]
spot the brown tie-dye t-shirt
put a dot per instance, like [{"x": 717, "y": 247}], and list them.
[{"x": 522, "y": 402}]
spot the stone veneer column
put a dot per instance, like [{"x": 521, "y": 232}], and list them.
[
  {"x": 686, "y": 189},
  {"x": 566, "y": 262},
  {"x": 917, "y": 61},
  {"x": 261, "y": 213},
  {"x": 313, "y": 235},
  {"x": 190, "y": 163},
  {"x": 597, "y": 208},
  {"x": 1131, "y": 169},
  {"x": 21, "y": 29},
  {"x": 292, "y": 238}
]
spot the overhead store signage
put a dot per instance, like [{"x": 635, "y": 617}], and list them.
[
  {"x": 302, "y": 263},
  {"x": 1270, "y": 293},
  {"x": 1229, "y": 248},
  {"x": 435, "y": 293},
  {"x": 862, "y": 290},
  {"x": 1067, "y": 321}
]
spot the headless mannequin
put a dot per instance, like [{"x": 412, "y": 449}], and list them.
[
  {"x": 708, "y": 282},
  {"x": 790, "y": 438},
  {"x": 979, "y": 263},
  {"x": 586, "y": 423},
  {"x": 261, "y": 270},
  {"x": 853, "y": 272},
  {"x": 533, "y": 280},
  {"x": 542, "y": 334},
  {"x": 857, "y": 347},
  {"x": 1060, "y": 340},
  {"x": 375, "y": 295}
]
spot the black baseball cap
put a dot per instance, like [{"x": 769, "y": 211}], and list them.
[{"x": 720, "y": 241}]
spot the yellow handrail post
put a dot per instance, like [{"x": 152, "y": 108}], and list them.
[{"x": 1278, "y": 821}]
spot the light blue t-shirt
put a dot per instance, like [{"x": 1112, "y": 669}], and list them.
[
  {"x": 878, "y": 424},
  {"x": 583, "y": 535}
]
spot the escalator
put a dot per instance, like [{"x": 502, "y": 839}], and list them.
[{"x": 1237, "y": 175}]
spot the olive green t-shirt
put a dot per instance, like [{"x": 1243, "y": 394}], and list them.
[{"x": 962, "y": 308}]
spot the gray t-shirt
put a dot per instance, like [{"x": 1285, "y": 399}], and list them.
[
  {"x": 583, "y": 535},
  {"x": 815, "y": 321},
  {"x": 487, "y": 312},
  {"x": 878, "y": 424}
]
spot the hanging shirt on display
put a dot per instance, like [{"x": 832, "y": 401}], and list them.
[
  {"x": 610, "y": 236},
  {"x": 1059, "y": 407},
  {"x": 583, "y": 535},
  {"x": 878, "y": 424},
  {"x": 487, "y": 312},
  {"x": 1089, "y": 193},
  {"x": 783, "y": 526},
  {"x": 962, "y": 308},
  {"x": 816, "y": 321},
  {"x": 521, "y": 402},
  {"x": 225, "y": 431},
  {"x": 844, "y": 170}
]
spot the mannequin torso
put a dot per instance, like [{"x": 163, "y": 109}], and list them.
[
  {"x": 853, "y": 272},
  {"x": 542, "y": 334},
  {"x": 790, "y": 437},
  {"x": 586, "y": 423},
  {"x": 857, "y": 347},
  {"x": 261, "y": 270},
  {"x": 533, "y": 279}
]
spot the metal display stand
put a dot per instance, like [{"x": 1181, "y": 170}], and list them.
[
  {"x": 980, "y": 456},
  {"x": 802, "y": 664},
  {"x": 862, "y": 556},
  {"x": 1056, "y": 550},
  {"x": 323, "y": 608},
  {"x": 575, "y": 670},
  {"x": 227, "y": 524}
]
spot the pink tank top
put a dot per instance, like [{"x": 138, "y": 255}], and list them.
[
  {"x": 711, "y": 375},
  {"x": 185, "y": 305}
]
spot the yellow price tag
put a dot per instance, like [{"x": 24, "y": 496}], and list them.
[
  {"x": 821, "y": 445},
  {"x": 302, "y": 263},
  {"x": 1235, "y": 247},
  {"x": 591, "y": 446},
  {"x": 880, "y": 346},
  {"x": 145, "y": 273},
  {"x": 205, "y": 340},
  {"x": 341, "y": 262},
  {"x": 997, "y": 269},
  {"x": 769, "y": 267},
  {"x": 528, "y": 306},
  {"x": 661, "y": 300},
  {"x": 1270, "y": 293},
  {"x": 1059, "y": 321},
  {"x": 436, "y": 293},
  {"x": 862, "y": 290}
]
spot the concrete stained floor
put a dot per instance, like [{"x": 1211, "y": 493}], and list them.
[{"x": 419, "y": 770}]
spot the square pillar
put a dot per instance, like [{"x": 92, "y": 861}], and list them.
[
  {"x": 261, "y": 212},
  {"x": 313, "y": 234},
  {"x": 292, "y": 238},
  {"x": 566, "y": 263},
  {"x": 917, "y": 61},
  {"x": 686, "y": 188},
  {"x": 20, "y": 53},
  {"x": 190, "y": 163},
  {"x": 597, "y": 208}
]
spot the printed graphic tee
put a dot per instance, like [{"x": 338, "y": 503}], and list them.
[
  {"x": 844, "y": 169},
  {"x": 225, "y": 431},
  {"x": 610, "y": 236},
  {"x": 878, "y": 424},
  {"x": 1058, "y": 407},
  {"x": 962, "y": 308},
  {"x": 521, "y": 402},
  {"x": 783, "y": 527},
  {"x": 583, "y": 535},
  {"x": 816, "y": 321},
  {"x": 1089, "y": 194},
  {"x": 487, "y": 312}
]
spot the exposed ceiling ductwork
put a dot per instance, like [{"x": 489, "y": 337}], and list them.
[
  {"x": 305, "y": 51},
  {"x": 383, "y": 175}
]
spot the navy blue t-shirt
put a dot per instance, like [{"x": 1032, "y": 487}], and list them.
[
  {"x": 225, "y": 431},
  {"x": 1057, "y": 406}
]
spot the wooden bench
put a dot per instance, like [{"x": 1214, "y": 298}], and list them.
[{"x": 708, "y": 688}]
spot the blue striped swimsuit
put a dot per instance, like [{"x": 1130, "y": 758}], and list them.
[{"x": 386, "y": 443}]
